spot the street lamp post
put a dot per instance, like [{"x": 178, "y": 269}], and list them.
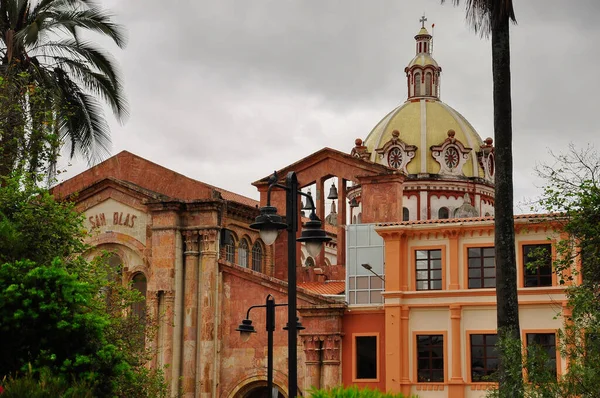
[
  {"x": 246, "y": 329},
  {"x": 269, "y": 223}
]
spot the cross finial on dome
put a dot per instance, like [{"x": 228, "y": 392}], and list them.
[{"x": 423, "y": 20}]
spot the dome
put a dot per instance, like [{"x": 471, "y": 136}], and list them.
[
  {"x": 425, "y": 124},
  {"x": 424, "y": 136},
  {"x": 423, "y": 60}
]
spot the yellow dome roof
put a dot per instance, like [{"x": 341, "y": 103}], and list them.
[
  {"x": 425, "y": 123},
  {"x": 423, "y": 59}
]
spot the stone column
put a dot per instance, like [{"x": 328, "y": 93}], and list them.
[
  {"x": 190, "y": 323},
  {"x": 332, "y": 375},
  {"x": 207, "y": 327},
  {"x": 168, "y": 328},
  {"x": 312, "y": 352},
  {"x": 320, "y": 205},
  {"x": 341, "y": 222},
  {"x": 153, "y": 315},
  {"x": 456, "y": 388}
]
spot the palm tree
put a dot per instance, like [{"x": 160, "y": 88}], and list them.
[
  {"x": 493, "y": 17},
  {"x": 42, "y": 52}
]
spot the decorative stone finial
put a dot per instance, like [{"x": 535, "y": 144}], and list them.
[
  {"x": 395, "y": 133},
  {"x": 451, "y": 133},
  {"x": 358, "y": 142}
]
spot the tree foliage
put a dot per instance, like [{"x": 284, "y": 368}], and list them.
[
  {"x": 54, "y": 81},
  {"x": 62, "y": 317}
]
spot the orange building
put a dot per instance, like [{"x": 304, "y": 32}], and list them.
[{"x": 402, "y": 299}]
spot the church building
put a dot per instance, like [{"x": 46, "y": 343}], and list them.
[{"x": 403, "y": 297}]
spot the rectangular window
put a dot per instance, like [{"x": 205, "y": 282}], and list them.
[
  {"x": 482, "y": 267},
  {"x": 429, "y": 269},
  {"x": 430, "y": 358},
  {"x": 484, "y": 358},
  {"x": 366, "y": 357},
  {"x": 537, "y": 265},
  {"x": 545, "y": 344},
  {"x": 365, "y": 289}
]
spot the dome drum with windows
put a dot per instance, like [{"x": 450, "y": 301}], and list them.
[{"x": 447, "y": 163}]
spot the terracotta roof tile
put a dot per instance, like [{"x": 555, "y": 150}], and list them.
[{"x": 325, "y": 288}]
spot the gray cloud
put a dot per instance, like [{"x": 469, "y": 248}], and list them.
[{"x": 227, "y": 91}]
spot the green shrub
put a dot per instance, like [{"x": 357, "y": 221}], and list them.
[
  {"x": 46, "y": 386},
  {"x": 351, "y": 392}
]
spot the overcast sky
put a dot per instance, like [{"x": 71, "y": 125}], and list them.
[{"x": 227, "y": 91}]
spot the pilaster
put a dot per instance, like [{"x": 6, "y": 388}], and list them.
[{"x": 190, "y": 325}]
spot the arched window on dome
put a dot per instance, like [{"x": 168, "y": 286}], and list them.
[
  {"x": 405, "y": 214},
  {"x": 417, "y": 84},
  {"x": 443, "y": 213},
  {"x": 428, "y": 84},
  {"x": 310, "y": 262},
  {"x": 257, "y": 257},
  {"x": 243, "y": 253}
]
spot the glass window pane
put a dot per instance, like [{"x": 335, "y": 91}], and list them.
[
  {"x": 490, "y": 282},
  {"x": 436, "y": 254},
  {"x": 436, "y": 274},
  {"x": 376, "y": 297},
  {"x": 376, "y": 283},
  {"x": 474, "y": 252},
  {"x": 436, "y": 264},
  {"x": 475, "y": 273},
  {"x": 489, "y": 251},
  {"x": 489, "y": 272},
  {"x": 362, "y": 297},
  {"x": 489, "y": 262},
  {"x": 436, "y": 285},
  {"x": 362, "y": 282},
  {"x": 477, "y": 339},
  {"x": 474, "y": 262},
  {"x": 351, "y": 298},
  {"x": 422, "y": 275},
  {"x": 437, "y": 376},
  {"x": 422, "y": 285},
  {"x": 474, "y": 283},
  {"x": 422, "y": 264},
  {"x": 351, "y": 283},
  {"x": 421, "y": 254}
]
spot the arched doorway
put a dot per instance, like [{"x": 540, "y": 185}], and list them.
[
  {"x": 261, "y": 392},
  {"x": 258, "y": 389}
]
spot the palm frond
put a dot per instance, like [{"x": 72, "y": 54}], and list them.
[
  {"x": 97, "y": 83},
  {"x": 83, "y": 127},
  {"x": 482, "y": 14}
]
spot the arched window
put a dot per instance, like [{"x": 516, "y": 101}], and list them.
[
  {"x": 310, "y": 262},
  {"x": 428, "y": 84},
  {"x": 443, "y": 212},
  {"x": 405, "y": 214},
  {"x": 230, "y": 248},
  {"x": 417, "y": 84},
  {"x": 115, "y": 271},
  {"x": 243, "y": 253},
  {"x": 139, "y": 283},
  {"x": 257, "y": 257}
]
